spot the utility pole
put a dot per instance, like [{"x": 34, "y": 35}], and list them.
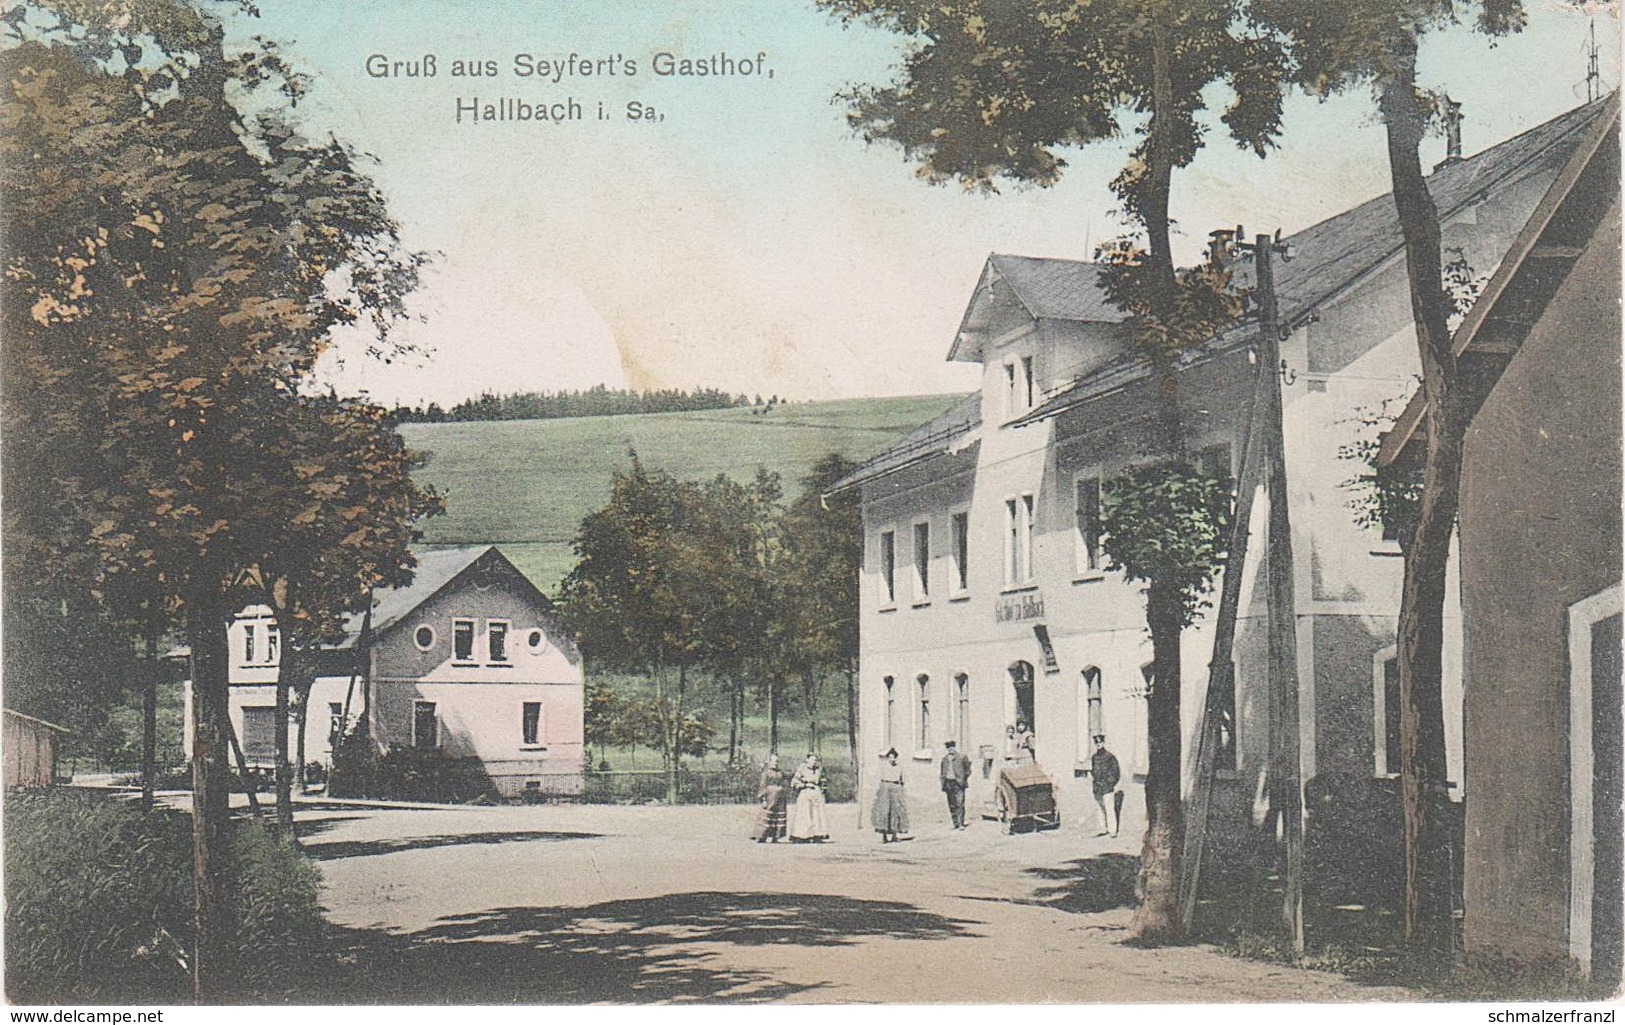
[{"x": 1286, "y": 792}]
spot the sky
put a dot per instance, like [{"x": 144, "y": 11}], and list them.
[{"x": 743, "y": 237}]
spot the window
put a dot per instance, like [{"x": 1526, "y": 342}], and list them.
[
  {"x": 961, "y": 551},
  {"x": 1028, "y": 389},
  {"x": 335, "y": 722},
  {"x": 1087, "y": 523},
  {"x": 891, "y": 712},
  {"x": 273, "y": 645},
  {"x": 1010, "y": 389},
  {"x": 888, "y": 568},
  {"x": 924, "y": 682},
  {"x": 536, "y": 641},
  {"x": 496, "y": 641},
  {"x": 1026, "y": 560},
  {"x": 248, "y": 643},
  {"x": 259, "y": 731},
  {"x": 423, "y": 637},
  {"x": 1094, "y": 718},
  {"x": 425, "y": 726},
  {"x": 462, "y": 640},
  {"x": 1018, "y": 540},
  {"x": 530, "y": 722},
  {"x": 962, "y": 700},
  {"x": 1012, "y": 538},
  {"x": 922, "y": 560}
]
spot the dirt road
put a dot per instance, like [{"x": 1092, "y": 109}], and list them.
[{"x": 652, "y": 904}]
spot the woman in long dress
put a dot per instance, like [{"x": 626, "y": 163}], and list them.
[
  {"x": 770, "y": 820},
  {"x": 890, "y": 815},
  {"x": 807, "y": 820}
]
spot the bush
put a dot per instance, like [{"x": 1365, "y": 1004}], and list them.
[
  {"x": 99, "y": 904},
  {"x": 407, "y": 774}
]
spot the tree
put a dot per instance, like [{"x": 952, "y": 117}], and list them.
[
  {"x": 819, "y": 592},
  {"x": 1337, "y": 45},
  {"x": 341, "y": 466},
  {"x": 175, "y": 267},
  {"x": 993, "y": 91}
]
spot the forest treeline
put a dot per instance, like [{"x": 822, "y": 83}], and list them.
[{"x": 598, "y": 400}]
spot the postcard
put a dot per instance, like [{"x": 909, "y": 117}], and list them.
[{"x": 863, "y": 502}]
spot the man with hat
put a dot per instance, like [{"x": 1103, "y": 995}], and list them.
[
  {"x": 1104, "y": 775},
  {"x": 955, "y": 777}
]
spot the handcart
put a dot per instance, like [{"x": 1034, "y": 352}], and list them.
[{"x": 1025, "y": 800}]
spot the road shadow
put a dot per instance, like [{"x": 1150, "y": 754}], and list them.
[
  {"x": 333, "y": 850},
  {"x": 649, "y": 950},
  {"x": 305, "y": 828},
  {"x": 1088, "y": 885}
]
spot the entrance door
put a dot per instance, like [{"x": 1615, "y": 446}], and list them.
[{"x": 1021, "y": 692}]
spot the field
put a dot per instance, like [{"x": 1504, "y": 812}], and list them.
[{"x": 526, "y": 484}]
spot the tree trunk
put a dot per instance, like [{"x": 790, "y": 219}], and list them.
[
  {"x": 733, "y": 722},
  {"x": 674, "y": 735},
  {"x": 852, "y": 720},
  {"x": 1158, "y": 920},
  {"x": 773, "y": 713},
  {"x": 149, "y": 721},
  {"x": 1428, "y": 924},
  {"x": 211, "y": 792},
  {"x": 283, "y": 771}
]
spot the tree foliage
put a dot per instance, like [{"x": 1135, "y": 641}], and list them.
[
  {"x": 178, "y": 256},
  {"x": 1168, "y": 524}
]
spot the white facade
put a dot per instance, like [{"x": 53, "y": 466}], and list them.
[
  {"x": 469, "y": 660},
  {"x": 985, "y": 597}
]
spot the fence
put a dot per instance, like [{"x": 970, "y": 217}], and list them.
[{"x": 734, "y": 785}]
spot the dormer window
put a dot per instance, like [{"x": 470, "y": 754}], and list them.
[{"x": 248, "y": 643}]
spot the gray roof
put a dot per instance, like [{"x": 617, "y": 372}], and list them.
[
  {"x": 1339, "y": 252},
  {"x": 948, "y": 431},
  {"x": 1054, "y": 289},
  {"x": 435, "y": 570}
]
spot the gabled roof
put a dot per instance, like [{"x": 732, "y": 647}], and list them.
[
  {"x": 1045, "y": 288},
  {"x": 435, "y": 571},
  {"x": 951, "y": 431},
  {"x": 1339, "y": 253},
  {"x": 1535, "y": 266}
]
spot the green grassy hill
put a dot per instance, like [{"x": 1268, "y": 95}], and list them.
[{"x": 526, "y": 484}]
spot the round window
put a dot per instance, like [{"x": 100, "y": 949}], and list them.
[
  {"x": 536, "y": 642},
  {"x": 423, "y": 637}
]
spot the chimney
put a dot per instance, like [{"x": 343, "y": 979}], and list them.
[
  {"x": 1219, "y": 252},
  {"x": 1452, "y": 133}
]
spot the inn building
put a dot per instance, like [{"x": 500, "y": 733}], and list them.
[{"x": 986, "y": 597}]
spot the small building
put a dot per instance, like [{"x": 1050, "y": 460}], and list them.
[
  {"x": 1540, "y": 541},
  {"x": 30, "y": 750},
  {"x": 469, "y": 660},
  {"x": 986, "y": 597}
]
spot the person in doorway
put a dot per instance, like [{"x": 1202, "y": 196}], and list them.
[
  {"x": 890, "y": 815},
  {"x": 955, "y": 778},
  {"x": 771, "y": 818},
  {"x": 1104, "y": 775},
  {"x": 808, "y": 823},
  {"x": 1026, "y": 749}
]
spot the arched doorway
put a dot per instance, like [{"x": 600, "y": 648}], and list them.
[{"x": 1020, "y": 708}]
